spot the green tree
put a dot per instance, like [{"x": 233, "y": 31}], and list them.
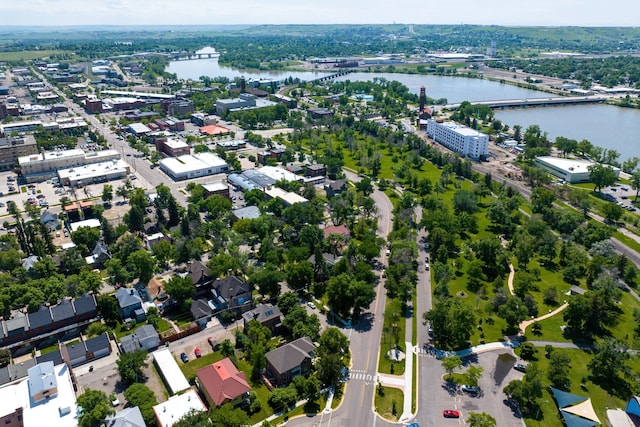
[
  {"x": 181, "y": 289},
  {"x": 228, "y": 416},
  {"x": 482, "y": 419},
  {"x": 347, "y": 296},
  {"x": 610, "y": 360},
  {"x": 95, "y": 408},
  {"x": 107, "y": 193},
  {"x": 453, "y": 323},
  {"x": 142, "y": 264},
  {"x": 559, "y": 368},
  {"x": 5, "y": 357},
  {"x": 267, "y": 280},
  {"x": 473, "y": 374},
  {"x": 526, "y": 391},
  {"x": 130, "y": 366},
  {"x": 635, "y": 182},
  {"x": 86, "y": 238},
  {"x": 612, "y": 212},
  {"x": 601, "y": 176},
  {"x": 164, "y": 252},
  {"x": 142, "y": 396},
  {"x": 450, "y": 364}
]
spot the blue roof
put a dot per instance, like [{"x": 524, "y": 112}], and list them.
[
  {"x": 565, "y": 399},
  {"x": 575, "y": 421}
]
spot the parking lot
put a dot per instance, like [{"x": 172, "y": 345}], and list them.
[{"x": 621, "y": 195}]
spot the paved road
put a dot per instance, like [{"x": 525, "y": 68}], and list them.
[{"x": 357, "y": 408}]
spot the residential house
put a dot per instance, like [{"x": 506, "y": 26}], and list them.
[
  {"x": 99, "y": 255},
  {"x": 128, "y": 417},
  {"x": 336, "y": 187},
  {"x": 201, "y": 311},
  {"x": 85, "y": 351},
  {"x": 268, "y": 315},
  {"x": 144, "y": 338},
  {"x": 200, "y": 277},
  {"x": 222, "y": 383},
  {"x": 130, "y": 304},
  {"x": 29, "y": 262},
  {"x": 63, "y": 314},
  {"x": 49, "y": 220},
  {"x": 290, "y": 360},
  {"x": 232, "y": 292}
]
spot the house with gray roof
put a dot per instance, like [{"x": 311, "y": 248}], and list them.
[
  {"x": 88, "y": 350},
  {"x": 232, "y": 292},
  {"x": 130, "y": 304},
  {"x": 86, "y": 307},
  {"x": 50, "y": 220},
  {"x": 144, "y": 338},
  {"x": 63, "y": 313},
  {"x": 290, "y": 360},
  {"x": 29, "y": 262},
  {"x": 128, "y": 417},
  {"x": 267, "y": 314},
  {"x": 248, "y": 212},
  {"x": 99, "y": 255},
  {"x": 15, "y": 372},
  {"x": 41, "y": 320},
  {"x": 17, "y": 325}
]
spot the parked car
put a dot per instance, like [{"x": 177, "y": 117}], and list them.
[
  {"x": 469, "y": 389},
  {"x": 197, "y": 352},
  {"x": 213, "y": 343},
  {"x": 184, "y": 358},
  {"x": 520, "y": 367},
  {"x": 311, "y": 305},
  {"x": 450, "y": 413}
]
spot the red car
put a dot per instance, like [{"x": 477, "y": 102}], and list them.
[
  {"x": 197, "y": 352},
  {"x": 450, "y": 413}
]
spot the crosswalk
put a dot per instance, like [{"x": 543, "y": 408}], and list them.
[
  {"x": 424, "y": 352},
  {"x": 362, "y": 375}
]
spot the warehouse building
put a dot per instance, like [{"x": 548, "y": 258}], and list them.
[
  {"x": 94, "y": 173},
  {"x": 193, "y": 166}
]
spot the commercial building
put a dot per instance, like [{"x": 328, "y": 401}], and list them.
[
  {"x": 46, "y": 396},
  {"x": 193, "y": 166},
  {"x": 219, "y": 188},
  {"x": 172, "y": 147},
  {"x": 64, "y": 124},
  {"x": 94, "y": 173},
  {"x": 170, "y": 412},
  {"x": 287, "y": 197},
  {"x": 463, "y": 140},
  {"x": 39, "y": 167},
  {"x": 139, "y": 129},
  {"x": 243, "y": 101},
  {"x": 569, "y": 170},
  {"x": 14, "y": 147},
  {"x": 178, "y": 107}
]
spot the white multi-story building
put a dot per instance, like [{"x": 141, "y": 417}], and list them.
[
  {"x": 463, "y": 140},
  {"x": 42, "y": 166}
]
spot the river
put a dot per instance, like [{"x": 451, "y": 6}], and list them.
[{"x": 604, "y": 125}]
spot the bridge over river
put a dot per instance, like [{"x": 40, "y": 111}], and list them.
[{"x": 534, "y": 102}]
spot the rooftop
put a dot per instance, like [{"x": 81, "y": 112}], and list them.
[
  {"x": 91, "y": 223},
  {"x": 192, "y": 162},
  {"x": 94, "y": 170},
  {"x": 169, "y": 412},
  {"x": 59, "y": 410},
  {"x": 572, "y": 165},
  {"x": 173, "y": 376}
]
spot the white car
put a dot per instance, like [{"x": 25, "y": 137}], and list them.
[{"x": 311, "y": 305}]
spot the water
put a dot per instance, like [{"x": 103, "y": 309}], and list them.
[
  {"x": 604, "y": 125},
  {"x": 193, "y": 69},
  {"x": 455, "y": 89}
]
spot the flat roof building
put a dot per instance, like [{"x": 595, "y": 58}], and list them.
[
  {"x": 193, "y": 166},
  {"x": 570, "y": 170},
  {"x": 41, "y": 166},
  {"x": 94, "y": 173},
  {"x": 172, "y": 147},
  {"x": 14, "y": 147},
  {"x": 91, "y": 223},
  {"x": 170, "y": 412},
  {"x": 463, "y": 140},
  {"x": 46, "y": 396},
  {"x": 169, "y": 371},
  {"x": 287, "y": 197},
  {"x": 139, "y": 129}
]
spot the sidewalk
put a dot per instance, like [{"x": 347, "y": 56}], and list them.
[{"x": 402, "y": 382}]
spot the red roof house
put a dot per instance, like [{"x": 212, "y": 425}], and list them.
[{"x": 222, "y": 382}]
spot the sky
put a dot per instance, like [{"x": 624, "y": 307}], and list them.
[{"x": 228, "y": 12}]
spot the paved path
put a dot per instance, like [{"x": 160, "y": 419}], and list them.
[
  {"x": 524, "y": 324},
  {"x": 512, "y": 273}
]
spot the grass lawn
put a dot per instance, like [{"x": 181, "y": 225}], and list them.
[
  {"x": 385, "y": 404},
  {"x": 600, "y": 398},
  {"x": 393, "y": 332},
  {"x": 163, "y": 326},
  {"x": 27, "y": 55},
  {"x": 49, "y": 349}
]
